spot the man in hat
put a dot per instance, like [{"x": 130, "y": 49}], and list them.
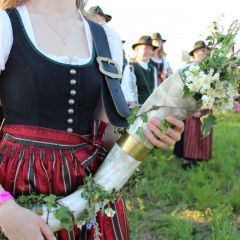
[
  {"x": 192, "y": 146},
  {"x": 140, "y": 77},
  {"x": 99, "y": 16},
  {"x": 199, "y": 52}
]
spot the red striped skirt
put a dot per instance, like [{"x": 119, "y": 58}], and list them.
[
  {"x": 195, "y": 146},
  {"x": 55, "y": 162}
]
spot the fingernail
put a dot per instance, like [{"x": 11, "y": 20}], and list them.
[
  {"x": 155, "y": 120},
  {"x": 149, "y": 124}
]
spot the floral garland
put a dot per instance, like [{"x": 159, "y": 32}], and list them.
[{"x": 93, "y": 194}]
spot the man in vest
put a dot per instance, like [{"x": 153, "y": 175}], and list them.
[{"x": 140, "y": 77}]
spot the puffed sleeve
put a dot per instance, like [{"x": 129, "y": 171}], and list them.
[
  {"x": 115, "y": 45},
  {"x": 127, "y": 83},
  {"x": 155, "y": 79},
  {"x": 6, "y": 38}
]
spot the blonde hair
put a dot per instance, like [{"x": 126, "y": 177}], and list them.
[{"x": 7, "y": 4}]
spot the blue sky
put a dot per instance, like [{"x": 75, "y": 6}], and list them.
[{"x": 179, "y": 22}]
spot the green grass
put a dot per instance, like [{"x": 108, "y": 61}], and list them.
[{"x": 200, "y": 203}]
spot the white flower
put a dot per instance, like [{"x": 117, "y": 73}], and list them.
[
  {"x": 220, "y": 93},
  {"x": 206, "y": 82},
  {"x": 232, "y": 93},
  {"x": 203, "y": 91},
  {"x": 197, "y": 81},
  {"x": 201, "y": 73},
  {"x": 216, "y": 77},
  {"x": 109, "y": 212},
  {"x": 211, "y": 72},
  {"x": 192, "y": 87},
  {"x": 229, "y": 105},
  {"x": 189, "y": 79},
  {"x": 187, "y": 73},
  {"x": 207, "y": 102},
  {"x": 80, "y": 224},
  {"x": 219, "y": 85},
  {"x": 194, "y": 68}
]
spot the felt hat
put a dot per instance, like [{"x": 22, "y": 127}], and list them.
[
  {"x": 198, "y": 45},
  {"x": 144, "y": 40},
  {"x": 158, "y": 36},
  {"x": 96, "y": 10}
]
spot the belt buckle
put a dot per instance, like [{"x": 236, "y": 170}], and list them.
[{"x": 117, "y": 75}]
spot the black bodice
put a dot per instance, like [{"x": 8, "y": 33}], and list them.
[{"x": 38, "y": 91}]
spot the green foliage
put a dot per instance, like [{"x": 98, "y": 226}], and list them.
[
  {"x": 165, "y": 125},
  {"x": 140, "y": 133},
  {"x": 51, "y": 201},
  {"x": 208, "y": 123},
  {"x": 144, "y": 117},
  {"x": 132, "y": 117},
  {"x": 65, "y": 217},
  {"x": 220, "y": 44},
  {"x": 187, "y": 92}
]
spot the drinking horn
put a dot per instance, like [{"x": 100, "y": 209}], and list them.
[{"x": 130, "y": 149}]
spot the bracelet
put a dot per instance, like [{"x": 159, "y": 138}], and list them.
[{"x": 4, "y": 196}]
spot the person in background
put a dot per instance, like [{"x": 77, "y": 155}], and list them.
[
  {"x": 140, "y": 77},
  {"x": 125, "y": 61},
  {"x": 158, "y": 58},
  {"x": 192, "y": 146},
  {"x": 97, "y": 15}
]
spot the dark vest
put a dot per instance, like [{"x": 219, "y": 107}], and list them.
[
  {"x": 158, "y": 66},
  {"x": 145, "y": 81},
  {"x": 38, "y": 91}
]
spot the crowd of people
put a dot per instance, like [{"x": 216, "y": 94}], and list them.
[{"x": 143, "y": 74}]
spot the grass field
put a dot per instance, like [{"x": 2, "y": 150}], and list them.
[{"x": 200, "y": 203}]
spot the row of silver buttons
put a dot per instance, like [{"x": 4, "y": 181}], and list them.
[{"x": 71, "y": 101}]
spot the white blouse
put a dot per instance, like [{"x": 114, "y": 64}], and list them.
[
  {"x": 127, "y": 81},
  {"x": 6, "y": 40}
]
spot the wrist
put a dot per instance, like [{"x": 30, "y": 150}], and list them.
[{"x": 5, "y": 196}]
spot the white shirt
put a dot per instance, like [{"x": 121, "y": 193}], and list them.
[
  {"x": 127, "y": 84},
  {"x": 6, "y": 40}
]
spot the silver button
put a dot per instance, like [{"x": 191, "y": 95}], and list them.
[
  {"x": 71, "y": 101},
  {"x": 73, "y": 72},
  {"x": 70, "y": 130},
  {"x": 73, "y": 92},
  {"x": 70, "y": 121},
  {"x": 73, "y": 82},
  {"x": 70, "y": 111}
]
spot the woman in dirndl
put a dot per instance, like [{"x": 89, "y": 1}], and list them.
[
  {"x": 50, "y": 88},
  {"x": 192, "y": 147}
]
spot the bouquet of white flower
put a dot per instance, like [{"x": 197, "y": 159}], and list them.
[{"x": 214, "y": 81}]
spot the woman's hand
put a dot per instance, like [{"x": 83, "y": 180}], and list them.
[
  {"x": 21, "y": 224},
  {"x": 173, "y": 134}
]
